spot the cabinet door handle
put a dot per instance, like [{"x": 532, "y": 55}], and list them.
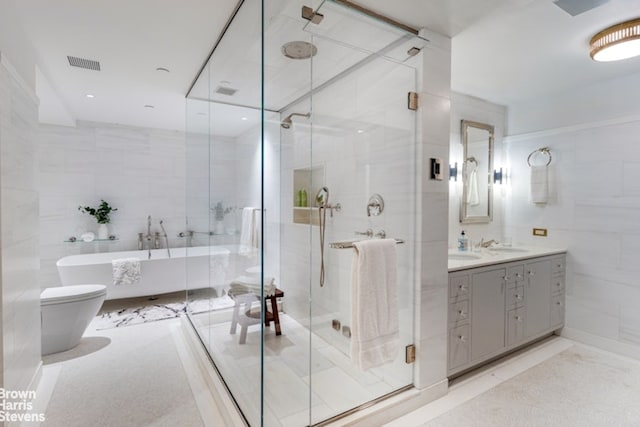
[
  {"x": 462, "y": 314},
  {"x": 558, "y": 284},
  {"x": 519, "y": 318},
  {"x": 505, "y": 278},
  {"x": 559, "y": 303},
  {"x": 518, "y": 275},
  {"x": 518, "y": 297},
  {"x": 530, "y": 273},
  {"x": 462, "y": 338}
]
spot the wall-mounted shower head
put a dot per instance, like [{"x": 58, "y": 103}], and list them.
[{"x": 287, "y": 122}]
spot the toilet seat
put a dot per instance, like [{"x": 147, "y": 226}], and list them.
[{"x": 63, "y": 294}]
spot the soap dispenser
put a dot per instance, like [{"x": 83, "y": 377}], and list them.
[{"x": 463, "y": 242}]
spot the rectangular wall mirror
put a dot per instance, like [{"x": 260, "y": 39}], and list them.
[{"x": 477, "y": 166}]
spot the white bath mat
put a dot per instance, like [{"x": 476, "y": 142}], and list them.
[{"x": 154, "y": 312}]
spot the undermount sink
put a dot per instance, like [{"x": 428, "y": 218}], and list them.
[
  {"x": 507, "y": 249},
  {"x": 463, "y": 257}
]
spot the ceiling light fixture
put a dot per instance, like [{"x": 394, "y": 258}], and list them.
[
  {"x": 244, "y": 119},
  {"x": 90, "y": 96},
  {"x": 620, "y": 41}
]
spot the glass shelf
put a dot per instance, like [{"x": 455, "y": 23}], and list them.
[{"x": 92, "y": 241}]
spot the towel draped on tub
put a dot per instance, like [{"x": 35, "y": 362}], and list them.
[
  {"x": 375, "y": 338},
  {"x": 126, "y": 271}
]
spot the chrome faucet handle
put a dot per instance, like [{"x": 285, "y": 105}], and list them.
[
  {"x": 368, "y": 233},
  {"x": 381, "y": 234}
]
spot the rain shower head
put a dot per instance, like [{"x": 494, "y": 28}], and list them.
[{"x": 287, "y": 122}]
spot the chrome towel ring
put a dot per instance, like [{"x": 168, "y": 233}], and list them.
[{"x": 543, "y": 150}]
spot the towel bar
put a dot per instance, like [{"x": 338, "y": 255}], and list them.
[{"x": 349, "y": 244}]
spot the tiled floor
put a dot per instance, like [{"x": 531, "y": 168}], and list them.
[{"x": 133, "y": 376}]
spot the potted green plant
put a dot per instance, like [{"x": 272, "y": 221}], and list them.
[{"x": 102, "y": 215}]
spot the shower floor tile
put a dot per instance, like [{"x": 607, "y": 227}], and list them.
[{"x": 337, "y": 386}]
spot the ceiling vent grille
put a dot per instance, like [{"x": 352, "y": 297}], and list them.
[
  {"x": 225, "y": 90},
  {"x": 576, "y": 7},
  {"x": 88, "y": 64}
]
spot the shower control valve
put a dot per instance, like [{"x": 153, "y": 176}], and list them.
[{"x": 368, "y": 233}]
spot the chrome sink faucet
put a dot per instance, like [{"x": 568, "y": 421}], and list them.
[{"x": 486, "y": 244}]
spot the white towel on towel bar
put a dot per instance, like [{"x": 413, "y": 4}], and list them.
[
  {"x": 539, "y": 185},
  {"x": 126, "y": 271},
  {"x": 473, "y": 199},
  {"x": 375, "y": 338},
  {"x": 249, "y": 241}
]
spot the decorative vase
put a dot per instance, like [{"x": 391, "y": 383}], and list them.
[
  {"x": 103, "y": 231},
  {"x": 219, "y": 227}
]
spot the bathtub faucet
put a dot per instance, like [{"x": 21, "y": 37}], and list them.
[{"x": 148, "y": 236}]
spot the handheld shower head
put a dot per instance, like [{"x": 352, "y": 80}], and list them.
[
  {"x": 322, "y": 197},
  {"x": 287, "y": 122}
]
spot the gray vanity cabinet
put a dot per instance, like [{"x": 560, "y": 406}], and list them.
[
  {"x": 497, "y": 308},
  {"x": 487, "y": 314}
]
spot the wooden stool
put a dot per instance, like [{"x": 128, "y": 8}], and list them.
[{"x": 250, "y": 317}]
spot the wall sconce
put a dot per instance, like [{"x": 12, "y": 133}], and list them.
[
  {"x": 497, "y": 176},
  {"x": 453, "y": 172}
]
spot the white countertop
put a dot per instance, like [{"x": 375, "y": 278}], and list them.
[{"x": 483, "y": 257}]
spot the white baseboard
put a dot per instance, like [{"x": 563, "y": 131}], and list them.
[{"x": 618, "y": 347}]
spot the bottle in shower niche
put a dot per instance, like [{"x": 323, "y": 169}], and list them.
[
  {"x": 303, "y": 198},
  {"x": 463, "y": 242},
  {"x": 298, "y": 198}
]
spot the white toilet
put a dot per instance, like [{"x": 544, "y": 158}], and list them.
[{"x": 66, "y": 313}]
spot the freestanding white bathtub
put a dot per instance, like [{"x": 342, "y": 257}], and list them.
[{"x": 200, "y": 267}]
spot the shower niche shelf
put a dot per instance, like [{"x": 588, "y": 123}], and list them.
[{"x": 311, "y": 180}]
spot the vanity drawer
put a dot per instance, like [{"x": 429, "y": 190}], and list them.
[
  {"x": 557, "y": 285},
  {"x": 558, "y": 265},
  {"x": 515, "y": 274},
  {"x": 515, "y": 297},
  {"x": 459, "y": 287},
  {"x": 458, "y": 313},
  {"x": 458, "y": 346}
]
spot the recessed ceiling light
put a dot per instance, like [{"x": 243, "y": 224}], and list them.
[
  {"x": 149, "y": 106},
  {"x": 244, "y": 118},
  {"x": 166, "y": 70},
  {"x": 360, "y": 131},
  {"x": 90, "y": 96},
  {"x": 620, "y": 41}
]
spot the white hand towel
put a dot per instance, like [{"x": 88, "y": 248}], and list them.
[
  {"x": 375, "y": 338},
  {"x": 249, "y": 232},
  {"x": 245, "y": 284},
  {"x": 539, "y": 184},
  {"x": 126, "y": 271},
  {"x": 472, "y": 189}
]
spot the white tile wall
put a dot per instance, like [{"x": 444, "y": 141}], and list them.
[
  {"x": 139, "y": 171},
  {"x": 19, "y": 231},
  {"x": 594, "y": 205}
]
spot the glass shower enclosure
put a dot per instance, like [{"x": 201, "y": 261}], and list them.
[{"x": 296, "y": 123}]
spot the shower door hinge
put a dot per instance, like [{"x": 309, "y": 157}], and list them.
[
  {"x": 410, "y": 353},
  {"x": 310, "y": 15},
  {"x": 412, "y": 101}
]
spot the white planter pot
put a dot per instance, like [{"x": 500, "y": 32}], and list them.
[{"x": 103, "y": 231}]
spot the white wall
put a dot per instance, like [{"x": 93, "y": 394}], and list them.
[
  {"x": 465, "y": 107},
  {"x": 139, "y": 171},
  {"x": 19, "y": 261},
  {"x": 594, "y": 206}
]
